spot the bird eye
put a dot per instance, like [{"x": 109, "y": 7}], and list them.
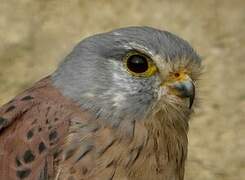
[{"x": 139, "y": 65}]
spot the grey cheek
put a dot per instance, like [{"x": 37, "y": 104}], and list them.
[
  {"x": 152, "y": 85},
  {"x": 145, "y": 94}
]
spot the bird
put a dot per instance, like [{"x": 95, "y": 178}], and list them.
[{"x": 116, "y": 108}]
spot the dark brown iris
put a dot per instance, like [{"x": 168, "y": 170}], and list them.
[{"x": 137, "y": 64}]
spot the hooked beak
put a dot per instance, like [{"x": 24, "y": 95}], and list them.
[{"x": 184, "y": 89}]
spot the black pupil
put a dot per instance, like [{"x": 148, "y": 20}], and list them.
[{"x": 137, "y": 64}]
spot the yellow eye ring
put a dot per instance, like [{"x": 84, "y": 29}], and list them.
[{"x": 140, "y": 65}]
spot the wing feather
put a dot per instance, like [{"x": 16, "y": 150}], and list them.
[{"x": 32, "y": 128}]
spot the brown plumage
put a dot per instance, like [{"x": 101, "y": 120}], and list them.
[
  {"x": 49, "y": 133},
  {"x": 32, "y": 137}
]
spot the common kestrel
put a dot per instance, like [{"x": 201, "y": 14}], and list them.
[{"x": 116, "y": 108}]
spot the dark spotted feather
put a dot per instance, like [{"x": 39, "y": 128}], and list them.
[{"x": 32, "y": 128}]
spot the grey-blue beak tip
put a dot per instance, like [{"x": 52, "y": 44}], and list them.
[{"x": 186, "y": 89}]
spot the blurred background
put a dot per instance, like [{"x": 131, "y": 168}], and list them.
[{"x": 35, "y": 35}]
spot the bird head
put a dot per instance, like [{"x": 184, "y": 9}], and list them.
[{"x": 129, "y": 73}]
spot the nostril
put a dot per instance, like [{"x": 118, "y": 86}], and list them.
[{"x": 176, "y": 75}]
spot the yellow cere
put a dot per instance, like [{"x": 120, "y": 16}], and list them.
[{"x": 177, "y": 76}]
